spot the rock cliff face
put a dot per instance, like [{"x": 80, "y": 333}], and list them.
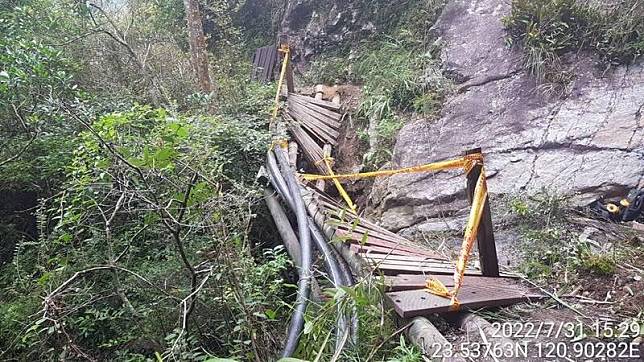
[
  {"x": 590, "y": 143},
  {"x": 312, "y": 26}
]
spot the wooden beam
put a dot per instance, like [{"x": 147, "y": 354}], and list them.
[
  {"x": 322, "y": 103},
  {"x": 292, "y": 154},
  {"x": 290, "y": 85},
  {"x": 355, "y": 263},
  {"x": 485, "y": 235},
  {"x": 428, "y": 338},
  {"x": 413, "y": 303},
  {"x": 480, "y": 330},
  {"x": 319, "y": 92},
  {"x": 320, "y": 130},
  {"x": 326, "y": 150},
  {"x": 330, "y": 118},
  {"x": 416, "y": 281}
]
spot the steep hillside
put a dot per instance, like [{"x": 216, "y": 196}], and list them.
[
  {"x": 586, "y": 140},
  {"x": 589, "y": 143}
]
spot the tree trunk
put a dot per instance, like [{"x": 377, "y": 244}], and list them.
[{"x": 197, "y": 42}]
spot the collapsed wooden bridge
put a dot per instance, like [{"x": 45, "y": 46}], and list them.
[{"x": 418, "y": 280}]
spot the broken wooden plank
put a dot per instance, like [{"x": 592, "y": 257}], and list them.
[
  {"x": 415, "y": 281},
  {"x": 350, "y": 218},
  {"x": 322, "y": 132},
  {"x": 333, "y": 122},
  {"x": 311, "y": 150},
  {"x": 330, "y": 117},
  {"x": 313, "y": 105},
  {"x": 437, "y": 268},
  {"x": 360, "y": 239},
  {"x": 413, "y": 303},
  {"x": 380, "y": 236},
  {"x": 418, "y": 265},
  {"x": 377, "y": 256},
  {"x": 350, "y": 222},
  {"x": 301, "y": 115},
  {"x": 319, "y": 102},
  {"x": 362, "y": 249}
]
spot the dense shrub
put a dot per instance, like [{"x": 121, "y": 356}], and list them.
[{"x": 153, "y": 222}]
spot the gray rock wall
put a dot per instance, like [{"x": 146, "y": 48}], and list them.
[
  {"x": 313, "y": 27},
  {"x": 590, "y": 143}
]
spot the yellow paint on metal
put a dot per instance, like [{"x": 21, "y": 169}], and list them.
[{"x": 612, "y": 208}]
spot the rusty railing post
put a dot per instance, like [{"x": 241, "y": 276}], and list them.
[{"x": 485, "y": 234}]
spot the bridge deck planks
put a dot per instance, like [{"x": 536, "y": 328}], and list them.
[{"x": 405, "y": 265}]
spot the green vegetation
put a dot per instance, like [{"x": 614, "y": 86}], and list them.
[
  {"x": 598, "y": 264},
  {"x": 146, "y": 241},
  {"x": 150, "y": 199},
  {"x": 150, "y": 238},
  {"x": 552, "y": 244},
  {"x": 549, "y": 29},
  {"x": 375, "y": 323}
]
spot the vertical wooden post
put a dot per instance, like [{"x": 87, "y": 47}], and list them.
[
  {"x": 327, "y": 148},
  {"x": 319, "y": 91},
  {"x": 326, "y": 151},
  {"x": 292, "y": 154},
  {"x": 290, "y": 86},
  {"x": 485, "y": 235}
]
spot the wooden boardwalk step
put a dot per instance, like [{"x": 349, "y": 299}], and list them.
[
  {"x": 418, "y": 302},
  {"x": 414, "y": 281}
]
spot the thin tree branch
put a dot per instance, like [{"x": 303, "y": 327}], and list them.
[
  {"x": 176, "y": 233},
  {"x": 20, "y": 152}
]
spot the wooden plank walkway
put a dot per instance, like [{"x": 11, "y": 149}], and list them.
[{"x": 405, "y": 265}]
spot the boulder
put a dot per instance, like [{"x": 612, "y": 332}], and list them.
[{"x": 589, "y": 143}]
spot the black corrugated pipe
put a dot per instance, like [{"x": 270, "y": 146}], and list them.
[
  {"x": 304, "y": 283},
  {"x": 338, "y": 275},
  {"x": 277, "y": 180},
  {"x": 339, "y": 272}
]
